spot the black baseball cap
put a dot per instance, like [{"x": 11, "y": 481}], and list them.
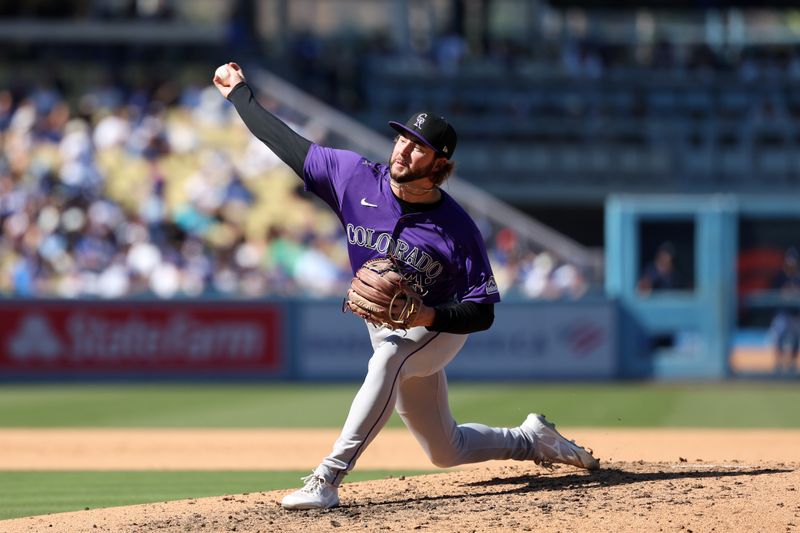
[{"x": 434, "y": 131}]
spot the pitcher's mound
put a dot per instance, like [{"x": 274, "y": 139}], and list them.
[{"x": 689, "y": 495}]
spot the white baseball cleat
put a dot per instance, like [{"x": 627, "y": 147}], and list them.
[
  {"x": 550, "y": 446},
  {"x": 316, "y": 494}
]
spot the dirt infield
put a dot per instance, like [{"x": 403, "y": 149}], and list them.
[{"x": 650, "y": 480}]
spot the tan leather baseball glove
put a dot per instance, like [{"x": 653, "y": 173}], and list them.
[{"x": 381, "y": 295}]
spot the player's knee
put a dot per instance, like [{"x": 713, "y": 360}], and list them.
[
  {"x": 384, "y": 361},
  {"x": 444, "y": 456},
  {"x": 445, "y": 460}
]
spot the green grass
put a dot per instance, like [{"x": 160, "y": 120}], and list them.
[
  {"x": 734, "y": 405},
  {"x": 36, "y": 493}
]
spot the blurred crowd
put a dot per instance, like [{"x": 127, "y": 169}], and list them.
[
  {"x": 129, "y": 196},
  {"x": 126, "y": 193},
  {"x": 527, "y": 272},
  {"x": 343, "y": 81}
]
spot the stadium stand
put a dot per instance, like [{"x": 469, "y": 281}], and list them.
[
  {"x": 133, "y": 196},
  {"x": 576, "y": 110}
]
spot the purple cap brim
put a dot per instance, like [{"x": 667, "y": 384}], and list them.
[{"x": 402, "y": 128}]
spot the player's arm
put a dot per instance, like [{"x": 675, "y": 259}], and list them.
[
  {"x": 291, "y": 147},
  {"x": 463, "y": 317}
]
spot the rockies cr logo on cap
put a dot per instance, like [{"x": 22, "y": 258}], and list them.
[{"x": 431, "y": 130}]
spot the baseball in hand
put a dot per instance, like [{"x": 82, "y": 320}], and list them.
[{"x": 222, "y": 72}]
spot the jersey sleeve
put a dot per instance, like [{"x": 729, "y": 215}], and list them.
[
  {"x": 326, "y": 172},
  {"x": 288, "y": 145},
  {"x": 478, "y": 282}
]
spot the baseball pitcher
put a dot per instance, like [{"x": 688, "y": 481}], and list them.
[{"x": 422, "y": 282}]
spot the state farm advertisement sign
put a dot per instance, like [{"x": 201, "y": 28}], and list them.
[{"x": 132, "y": 336}]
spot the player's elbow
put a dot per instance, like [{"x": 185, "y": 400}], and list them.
[{"x": 486, "y": 317}]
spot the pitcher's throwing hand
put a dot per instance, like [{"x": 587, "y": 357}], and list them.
[{"x": 224, "y": 83}]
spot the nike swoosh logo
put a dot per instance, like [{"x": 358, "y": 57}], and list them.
[{"x": 365, "y": 203}]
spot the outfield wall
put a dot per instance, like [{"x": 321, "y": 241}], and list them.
[{"x": 286, "y": 339}]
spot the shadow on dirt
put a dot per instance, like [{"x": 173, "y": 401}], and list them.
[
  {"x": 610, "y": 477},
  {"x": 606, "y": 477}
]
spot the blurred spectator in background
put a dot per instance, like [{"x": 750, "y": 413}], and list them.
[
  {"x": 139, "y": 194},
  {"x": 785, "y": 327},
  {"x": 660, "y": 274},
  {"x": 147, "y": 195},
  {"x": 532, "y": 273}
]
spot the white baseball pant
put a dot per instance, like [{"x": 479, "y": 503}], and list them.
[{"x": 406, "y": 372}]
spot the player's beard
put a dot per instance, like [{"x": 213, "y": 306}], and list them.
[{"x": 411, "y": 176}]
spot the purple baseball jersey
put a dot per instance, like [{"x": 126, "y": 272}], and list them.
[{"x": 441, "y": 249}]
